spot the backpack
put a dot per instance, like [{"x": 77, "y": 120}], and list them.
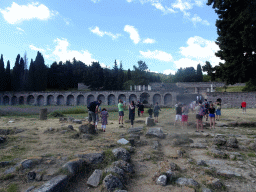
[
  {"x": 92, "y": 106},
  {"x": 202, "y": 112}
]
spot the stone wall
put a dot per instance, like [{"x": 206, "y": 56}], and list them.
[
  {"x": 233, "y": 99},
  {"x": 84, "y": 98}
]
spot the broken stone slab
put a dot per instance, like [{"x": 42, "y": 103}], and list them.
[
  {"x": 95, "y": 178},
  {"x": 77, "y": 121},
  {"x": 123, "y": 141},
  {"x": 127, "y": 167},
  {"x": 162, "y": 180},
  {"x": 91, "y": 158},
  {"x": 201, "y": 163},
  {"x": 5, "y": 131},
  {"x": 150, "y": 122},
  {"x": 155, "y": 145},
  {"x": 30, "y": 162},
  {"x": 87, "y": 137},
  {"x": 215, "y": 184},
  {"x": 122, "y": 154},
  {"x": 219, "y": 141},
  {"x": 227, "y": 173},
  {"x": 11, "y": 170},
  {"x": 74, "y": 166},
  {"x": 155, "y": 132},
  {"x": 134, "y": 136},
  {"x": 218, "y": 153},
  {"x": 186, "y": 182},
  {"x": 137, "y": 130},
  {"x": 215, "y": 162},
  {"x": 198, "y": 145},
  {"x": 88, "y": 129},
  {"x": 111, "y": 183},
  {"x": 232, "y": 142},
  {"x": 56, "y": 184},
  {"x": 70, "y": 127}
]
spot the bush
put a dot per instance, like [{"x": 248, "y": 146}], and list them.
[{"x": 56, "y": 114}]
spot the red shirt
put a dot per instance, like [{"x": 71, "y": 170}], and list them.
[{"x": 243, "y": 104}]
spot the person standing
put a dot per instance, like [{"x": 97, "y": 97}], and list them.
[
  {"x": 150, "y": 111},
  {"x": 218, "y": 111},
  {"x": 178, "y": 114},
  {"x": 121, "y": 111},
  {"x": 156, "y": 112},
  {"x": 104, "y": 116},
  {"x": 212, "y": 116},
  {"x": 92, "y": 107},
  {"x": 206, "y": 109},
  {"x": 243, "y": 106},
  {"x": 184, "y": 118},
  {"x": 97, "y": 114},
  {"x": 199, "y": 116},
  {"x": 138, "y": 106},
  {"x": 141, "y": 108},
  {"x": 132, "y": 112}
]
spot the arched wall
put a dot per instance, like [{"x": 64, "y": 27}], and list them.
[
  {"x": 14, "y": 100},
  {"x": 168, "y": 99},
  {"x": 102, "y": 98},
  {"x": 60, "y": 100},
  {"x": 144, "y": 97},
  {"x": 111, "y": 99},
  {"x": 80, "y": 100},
  {"x": 40, "y": 100},
  {"x": 30, "y": 100},
  {"x": 21, "y": 100},
  {"x": 157, "y": 99},
  {"x": 90, "y": 99},
  {"x": 50, "y": 100},
  {"x": 132, "y": 97},
  {"x": 70, "y": 100}
]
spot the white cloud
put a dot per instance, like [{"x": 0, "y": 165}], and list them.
[
  {"x": 197, "y": 19},
  {"x": 134, "y": 35},
  {"x": 165, "y": 9},
  {"x": 32, "y": 47},
  {"x": 62, "y": 53},
  {"x": 18, "y": 13},
  {"x": 97, "y": 31},
  {"x": 198, "y": 50},
  {"x": 182, "y": 5},
  {"x": 200, "y": 3},
  {"x": 159, "y": 55},
  {"x": 169, "y": 71},
  {"x": 21, "y": 31},
  {"x": 129, "y": 1},
  {"x": 149, "y": 41},
  {"x": 95, "y": 1}
]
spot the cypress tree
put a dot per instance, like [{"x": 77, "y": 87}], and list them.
[
  {"x": 2, "y": 75},
  {"x": 31, "y": 77},
  {"x": 199, "y": 73},
  {"x": 16, "y": 74},
  {"x": 8, "y": 77},
  {"x": 40, "y": 73}
]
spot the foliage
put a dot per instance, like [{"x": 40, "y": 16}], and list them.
[
  {"x": 250, "y": 85},
  {"x": 236, "y": 28}
]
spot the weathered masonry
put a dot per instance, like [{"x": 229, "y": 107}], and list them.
[{"x": 84, "y": 98}]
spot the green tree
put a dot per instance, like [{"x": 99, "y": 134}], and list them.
[
  {"x": 236, "y": 28},
  {"x": 8, "y": 77},
  {"x": 40, "y": 73},
  {"x": 16, "y": 74},
  {"x": 120, "y": 76},
  {"x": 142, "y": 66},
  {"x": 199, "y": 73},
  {"x": 31, "y": 83},
  {"x": 2, "y": 75}
]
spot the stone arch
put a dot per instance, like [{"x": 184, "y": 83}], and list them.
[
  {"x": 144, "y": 97},
  {"x": 90, "y": 99},
  {"x": 132, "y": 97},
  {"x": 50, "y": 100},
  {"x": 30, "y": 100},
  {"x": 168, "y": 99},
  {"x": 111, "y": 99},
  {"x": 122, "y": 97},
  {"x": 21, "y": 100},
  {"x": 80, "y": 100},
  {"x": 6, "y": 100},
  {"x": 70, "y": 100},
  {"x": 157, "y": 98},
  {"x": 60, "y": 100},
  {"x": 40, "y": 100},
  {"x": 14, "y": 100},
  {"x": 102, "y": 98}
]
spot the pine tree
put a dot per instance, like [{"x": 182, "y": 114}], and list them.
[
  {"x": 129, "y": 75},
  {"x": 15, "y": 79},
  {"x": 199, "y": 73},
  {"x": 40, "y": 73},
  {"x": 2, "y": 75},
  {"x": 120, "y": 77},
  {"x": 8, "y": 77},
  {"x": 31, "y": 83},
  {"x": 115, "y": 83}
]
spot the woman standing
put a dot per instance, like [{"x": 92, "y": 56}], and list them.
[
  {"x": 199, "y": 116},
  {"x": 156, "y": 112},
  {"x": 132, "y": 112},
  {"x": 218, "y": 111},
  {"x": 121, "y": 111},
  {"x": 212, "y": 116},
  {"x": 184, "y": 117}
]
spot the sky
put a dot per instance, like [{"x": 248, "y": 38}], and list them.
[{"x": 165, "y": 34}]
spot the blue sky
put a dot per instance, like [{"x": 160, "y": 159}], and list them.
[{"x": 166, "y": 34}]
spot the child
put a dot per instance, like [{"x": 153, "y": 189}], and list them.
[
  {"x": 212, "y": 116},
  {"x": 178, "y": 114},
  {"x": 104, "y": 116},
  {"x": 150, "y": 112},
  {"x": 184, "y": 118}
]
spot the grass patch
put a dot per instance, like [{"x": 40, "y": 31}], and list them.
[
  {"x": 8, "y": 176},
  {"x": 251, "y": 155},
  {"x": 230, "y": 89},
  {"x": 108, "y": 159},
  {"x": 12, "y": 188}
]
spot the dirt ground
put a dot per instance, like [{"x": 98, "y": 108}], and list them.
[{"x": 33, "y": 142}]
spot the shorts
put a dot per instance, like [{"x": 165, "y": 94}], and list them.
[
  {"x": 199, "y": 117},
  {"x": 121, "y": 113},
  {"x": 218, "y": 112},
  {"x": 178, "y": 118},
  {"x": 184, "y": 118},
  {"x": 156, "y": 114},
  {"x": 141, "y": 112},
  {"x": 211, "y": 115},
  {"x": 92, "y": 116}
]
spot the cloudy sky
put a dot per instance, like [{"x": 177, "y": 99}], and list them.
[{"x": 166, "y": 34}]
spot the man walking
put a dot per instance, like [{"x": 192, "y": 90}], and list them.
[{"x": 92, "y": 108}]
